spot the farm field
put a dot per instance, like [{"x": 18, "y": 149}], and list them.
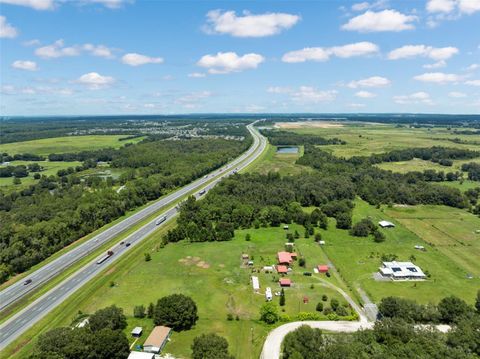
[
  {"x": 66, "y": 144},
  {"x": 358, "y": 258},
  {"x": 365, "y": 139}
]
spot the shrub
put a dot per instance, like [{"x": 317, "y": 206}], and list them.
[
  {"x": 319, "y": 307},
  {"x": 139, "y": 311},
  {"x": 269, "y": 313},
  {"x": 324, "y": 297}
]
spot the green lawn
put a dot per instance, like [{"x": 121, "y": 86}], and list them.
[
  {"x": 66, "y": 144},
  {"x": 358, "y": 258}
]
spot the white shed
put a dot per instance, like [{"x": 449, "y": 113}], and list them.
[
  {"x": 386, "y": 224},
  {"x": 268, "y": 294}
]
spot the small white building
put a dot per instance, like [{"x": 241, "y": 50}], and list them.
[
  {"x": 386, "y": 224},
  {"x": 268, "y": 269},
  {"x": 268, "y": 294},
  {"x": 285, "y": 227},
  {"x": 255, "y": 283},
  {"x": 321, "y": 243},
  {"x": 401, "y": 271},
  {"x": 420, "y": 248},
  {"x": 137, "y": 331}
]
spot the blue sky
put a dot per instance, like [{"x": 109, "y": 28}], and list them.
[{"x": 81, "y": 57}]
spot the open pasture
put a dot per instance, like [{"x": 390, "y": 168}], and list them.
[{"x": 66, "y": 144}]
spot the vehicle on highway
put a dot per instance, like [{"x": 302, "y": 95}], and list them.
[
  {"x": 28, "y": 281},
  {"x": 160, "y": 220},
  {"x": 105, "y": 257},
  {"x": 202, "y": 192},
  {"x": 128, "y": 244},
  {"x": 122, "y": 243}
]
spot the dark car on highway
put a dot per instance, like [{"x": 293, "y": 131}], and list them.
[{"x": 28, "y": 281}]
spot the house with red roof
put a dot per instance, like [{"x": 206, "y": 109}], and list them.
[
  {"x": 322, "y": 268},
  {"x": 282, "y": 269},
  {"x": 284, "y": 258},
  {"x": 285, "y": 282}
]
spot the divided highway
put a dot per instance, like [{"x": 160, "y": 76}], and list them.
[{"x": 24, "y": 319}]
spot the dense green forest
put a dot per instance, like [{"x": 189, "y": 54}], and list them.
[{"x": 43, "y": 218}]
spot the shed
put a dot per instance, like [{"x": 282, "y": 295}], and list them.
[
  {"x": 282, "y": 269},
  {"x": 157, "y": 339},
  {"x": 386, "y": 224},
  {"x": 285, "y": 227},
  {"x": 268, "y": 294},
  {"x": 321, "y": 243},
  {"x": 137, "y": 331},
  {"x": 245, "y": 256},
  {"x": 268, "y": 269},
  {"x": 322, "y": 268},
  {"x": 141, "y": 355},
  {"x": 285, "y": 282}
]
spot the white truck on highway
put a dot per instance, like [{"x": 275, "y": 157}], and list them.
[{"x": 160, "y": 220}]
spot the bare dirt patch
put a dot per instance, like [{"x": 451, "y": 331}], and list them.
[{"x": 311, "y": 124}]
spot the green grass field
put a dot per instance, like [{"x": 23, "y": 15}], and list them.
[
  {"x": 365, "y": 139},
  {"x": 358, "y": 258},
  {"x": 66, "y": 144}
]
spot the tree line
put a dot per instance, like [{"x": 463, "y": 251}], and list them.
[
  {"x": 395, "y": 336},
  {"x": 278, "y": 137},
  {"x": 45, "y": 217}
]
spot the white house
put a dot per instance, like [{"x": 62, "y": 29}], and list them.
[
  {"x": 386, "y": 224},
  {"x": 401, "y": 271},
  {"x": 255, "y": 283},
  {"x": 268, "y": 294},
  {"x": 141, "y": 355}
]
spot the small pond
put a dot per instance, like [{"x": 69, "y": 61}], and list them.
[{"x": 287, "y": 149}]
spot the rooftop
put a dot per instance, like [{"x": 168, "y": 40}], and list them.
[{"x": 157, "y": 337}]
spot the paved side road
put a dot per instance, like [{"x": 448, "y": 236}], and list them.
[
  {"x": 24, "y": 319},
  {"x": 273, "y": 343}
]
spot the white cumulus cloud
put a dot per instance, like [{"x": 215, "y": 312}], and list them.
[
  {"x": 7, "y": 30},
  {"x": 324, "y": 54},
  {"x": 279, "y": 89},
  {"x": 34, "y": 4},
  {"x": 308, "y": 94},
  {"x": 434, "y": 53},
  {"x": 196, "y": 75},
  {"x": 95, "y": 81},
  {"x": 25, "y": 65},
  {"x": 227, "y": 62},
  {"x": 473, "y": 82},
  {"x": 249, "y": 25},
  {"x": 374, "y": 81},
  {"x": 414, "y": 98},
  {"x": 456, "y": 94},
  {"x": 134, "y": 59},
  {"x": 365, "y": 94},
  {"x": 437, "y": 77},
  {"x": 385, "y": 20},
  {"x": 58, "y": 49},
  {"x": 435, "y": 65},
  {"x": 442, "y": 6}
]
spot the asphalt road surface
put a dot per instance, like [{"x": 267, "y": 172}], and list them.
[{"x": 24, "y": 319}]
